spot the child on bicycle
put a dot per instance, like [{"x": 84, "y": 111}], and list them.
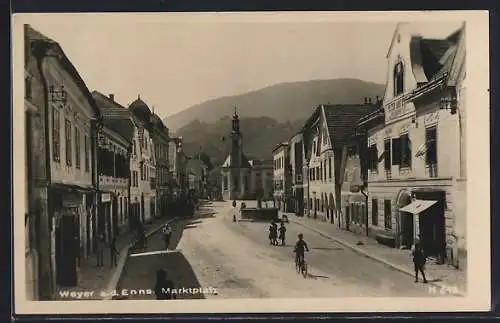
[{"x": 300, "y": 248}]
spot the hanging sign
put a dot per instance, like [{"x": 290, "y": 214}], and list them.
[{"x": 105, "y": 197}]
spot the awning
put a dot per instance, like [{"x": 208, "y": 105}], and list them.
[{"x": 417, "y": 206}]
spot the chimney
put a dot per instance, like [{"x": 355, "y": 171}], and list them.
[{"x": 112, "y": 97}]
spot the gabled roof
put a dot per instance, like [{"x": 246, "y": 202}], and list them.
[
  {"x": 432, "y": 58},
  {"x": 459, "y": 60},
  {"x": 40, "y": 44},
  {"x": 114, "y": 116},
  {"x": 229, "y": 163},
  {"x": 342, "y": 120}
]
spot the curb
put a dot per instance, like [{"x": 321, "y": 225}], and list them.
[
  {"x": 124, "y": 253},
  {"x": 371, "y": 256}
]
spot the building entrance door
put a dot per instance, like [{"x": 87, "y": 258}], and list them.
[
  {"x": 347, "y": 218},
  {"x": 66, "y": 248},
  {"x": 407, "y": 229},
  {"x": 114, "y": 217},
  {"x": 432, "y": 225}
]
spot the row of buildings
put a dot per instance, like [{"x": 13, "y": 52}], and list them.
[
  {"x": 93, "y": 167},
  {"x": 392, "y": 168}
]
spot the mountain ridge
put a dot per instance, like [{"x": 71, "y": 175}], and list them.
[{"x": 279, "y": 100}]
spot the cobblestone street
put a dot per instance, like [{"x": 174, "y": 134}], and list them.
[{"x": 241, "y": 264}]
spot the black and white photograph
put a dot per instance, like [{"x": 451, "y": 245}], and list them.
[{"x": 251, "y": 162}]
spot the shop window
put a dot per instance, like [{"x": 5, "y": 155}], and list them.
[
  {"x": 387, "y": 214},
  {"x": 329, "y": 168},
  {"x": 431, "y": 150},
  {"x": 405, "y": 151},
  {"x": 374, "y": 211},
  {"x": 373, "y": 158},
  {"x": 398, "y": 79},
  {"x": 87, "y": 154},
  {"x": 69, "y": 142},
  {"x": 28, "y": 88},
  {"x": 77, "y": 148},
  {"x": 56, "y": 134},
  {"x": 387, "y": 154},
  {"x": 396, "y": 151}
]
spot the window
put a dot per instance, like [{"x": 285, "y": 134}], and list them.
[
  {"x": 405, "y": 151},
  {"x": 87, "y": 162},
  {"x": 317, "y": 173},
  {"x": 431, "y": 152},
  {"x": 321, "y": 175},
  {"x": 142, "y": 171},
  {"x": 56, "y": 134},
  {"x": 373, "y": 158},
  {"x": 374, "y": 211},
  {"x": 27, "y": 88},
  {"x": 69, "y": 145},
  {"x": 387, "y": 214},
  {"x": 77, "y": 148},
  {"x": 329, "y": 168},
  {"x": 387, "y": 154},
  {"x": 398, "y": 79},
  {"x": 134, "y": 147},
  {"x": 396, "y": 151}
]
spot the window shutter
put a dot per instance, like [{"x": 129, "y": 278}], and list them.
[{"x": 396, "y": 151}]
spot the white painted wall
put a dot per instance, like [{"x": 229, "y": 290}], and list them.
[{"x": 79, "y": 112}]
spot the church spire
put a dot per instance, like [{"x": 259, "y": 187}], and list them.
[{"x": 236, "y": 122}]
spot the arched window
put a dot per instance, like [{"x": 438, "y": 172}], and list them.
[{"x": 398, "y": 78}]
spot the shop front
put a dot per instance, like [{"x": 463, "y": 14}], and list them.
[
  {"x": 423, "y": 219},
  {"x": 69, "y": 209},
  {"x": 354, "y": 204}
]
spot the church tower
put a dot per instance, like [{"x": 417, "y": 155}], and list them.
[
  {"x": 236, "y": 142},
  {"x": 236, "y": 169}
]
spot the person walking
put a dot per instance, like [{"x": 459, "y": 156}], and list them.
[
  {"x": 275, "y": 233},
  {"x": 419, "y": 261},
  {"x": 114, "y": 252},
  {"x": 282, "y": 233},
  {"x": 100, "y": 249},
  {"x": 167, "y": 233},
  {"x": 164, "y": 287}
]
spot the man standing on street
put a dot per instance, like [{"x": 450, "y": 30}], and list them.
[
  {"x": 100, "y": 249},
  {"x": 114, "y": 252},
  {"x": 167, "y": 233},
  {"x": 419, "y": 261}
]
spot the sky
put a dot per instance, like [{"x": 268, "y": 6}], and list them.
[{"x": 177, "y": 63}]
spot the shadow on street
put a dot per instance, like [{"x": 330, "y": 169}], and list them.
[
  {"x": 140, "y": 276},
  {"x": 140, "y": 272}
]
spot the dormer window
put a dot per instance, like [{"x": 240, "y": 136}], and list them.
[{"x": 398, "y": 79}]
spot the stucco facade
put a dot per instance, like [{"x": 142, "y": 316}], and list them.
[
  {"x": 282, "y": 177},
  {"x": 419, "y": 139},
  {"x": 298, "y": 176}
]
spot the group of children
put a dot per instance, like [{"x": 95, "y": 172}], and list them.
[{"x": 273, "y": 233}]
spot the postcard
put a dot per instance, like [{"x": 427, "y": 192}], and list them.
[{"x": 251, "y": 162}]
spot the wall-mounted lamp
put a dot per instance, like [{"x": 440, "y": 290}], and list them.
[
  {"x": 58, "y": 94},
  {"x": 449, "y": 103},
  {"x": 414, "y": 121}
]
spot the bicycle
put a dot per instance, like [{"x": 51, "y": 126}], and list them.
[{"x": 301, "y": 266}]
